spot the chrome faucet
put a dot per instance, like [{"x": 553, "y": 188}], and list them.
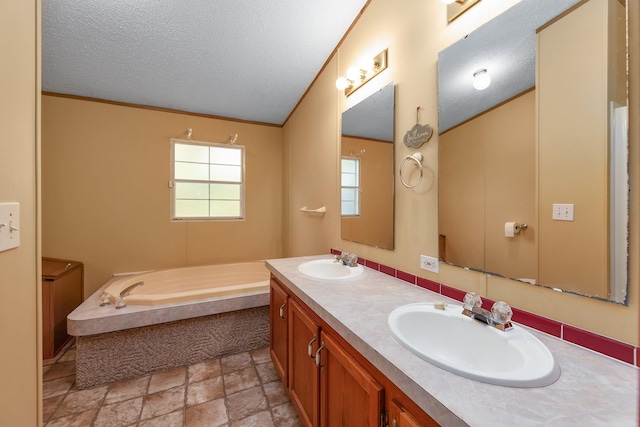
[
  {"x": 499, "y": 317},
  {"x": 126, "y": 291},
  {"x": 348, "y": 259}
]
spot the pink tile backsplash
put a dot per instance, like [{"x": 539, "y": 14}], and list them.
[
  {"x": 429, "y": 284},
  {"x": 540, "y": 323},
  {"x": 373, "y": 265},
  {"x": 388, "y": 270},
  {"x": 407, "y": 277},
  {"x": 618, "y": 350},
  {"x": 450, "y": 292}
]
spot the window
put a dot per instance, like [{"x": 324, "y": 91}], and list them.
[
  {"x": 350, "y": 186},
  {"x": 207, "y": 181}
]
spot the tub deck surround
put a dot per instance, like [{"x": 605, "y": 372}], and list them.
[
  {"x": 116, "y": 344},
  {"x": 90, "y": 319},
  {"x": 593, "y": 390},
  {"x": 130, "y": 353}
]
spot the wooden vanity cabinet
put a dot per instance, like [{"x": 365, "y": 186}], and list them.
[
  {"x": 350, "y": 396},
  {"x": 329, "y": 382},
  {"x": 304, "y": 375},
  {"x": 399, "y": 416},
  {"x": 279, "y": 341}
]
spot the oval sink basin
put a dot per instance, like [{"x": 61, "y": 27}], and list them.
[
  {"x": 328, "y": 269},
  {"x": 469, "y": 348}
]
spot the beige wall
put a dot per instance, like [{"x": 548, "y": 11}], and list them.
[
  {"x": 20, "y": 332},
  {"x": 312, "y": 157},
  {"x": 374, "y": 225},
  {"x": 106, "y": 200},
  {"x": 572, "y": 154},
  {"x": 414, "y": 34},
  {"x": 477, "y": 198}
]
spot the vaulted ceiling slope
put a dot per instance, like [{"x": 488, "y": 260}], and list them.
[{"x": 242, "y": 59}]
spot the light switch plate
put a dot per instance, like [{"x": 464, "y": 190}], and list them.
[
  {"x": 9, "y": 226},
  {"x": 562, "y": 212}
]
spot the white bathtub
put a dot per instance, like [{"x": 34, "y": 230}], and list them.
[{"x": 191, "y": 283}]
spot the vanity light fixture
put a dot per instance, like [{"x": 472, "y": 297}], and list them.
[
  {"x": 456, "y": 8},
  {"x": 357, "y": 76},
  {"x": 481, "y": 79}
]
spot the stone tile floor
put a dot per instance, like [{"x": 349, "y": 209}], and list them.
[{"x": 241, "y": 390}]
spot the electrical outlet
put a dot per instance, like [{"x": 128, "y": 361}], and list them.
[
  {"x": 429, "y": 263},
  {"x": 562, "y": 212}
]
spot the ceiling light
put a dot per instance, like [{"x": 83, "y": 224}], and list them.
[
  {"x": 361, "y": 74},
  {"x": 481, "y": 79}
]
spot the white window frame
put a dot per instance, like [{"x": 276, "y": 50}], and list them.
[
  {"x": 173, "y": 181},
  {"x": 357, "y": 187}
]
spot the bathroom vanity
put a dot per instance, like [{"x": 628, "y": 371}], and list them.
[
  {"x": 331, "y": 346},
  {"x": 329, "y": 382}
]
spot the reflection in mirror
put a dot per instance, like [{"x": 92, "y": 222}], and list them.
[
  {"x": 559, "y": 144},
  {"x": 367, "y": 176}
]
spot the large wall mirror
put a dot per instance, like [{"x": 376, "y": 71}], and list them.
[
  {"x": 367, "y": 175},
  {"x": 546, "y": 147}
]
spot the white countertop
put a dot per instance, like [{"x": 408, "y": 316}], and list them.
[{"x": 593, "y": 390}]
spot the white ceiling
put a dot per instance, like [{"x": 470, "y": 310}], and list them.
[{"x": 242, "y": 59}]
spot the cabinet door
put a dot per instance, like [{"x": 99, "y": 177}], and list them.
[
  {"x": 303, "y": 374},
  {"x": 399, "y": 416},
  {"x": 278, "y": 341},
  {"x": 350, "y": 396}
]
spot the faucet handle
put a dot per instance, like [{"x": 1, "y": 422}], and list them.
[
  {"x": 501, "y": 312},
  {"x": 105, "y": 299},
  {"x": 352, "y": 260},
  {"x": 471, "y": 300}
]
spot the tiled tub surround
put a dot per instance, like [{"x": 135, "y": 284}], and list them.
[
  {"x": 115, "y": 344},
  {"x": 593, "y": 390}
]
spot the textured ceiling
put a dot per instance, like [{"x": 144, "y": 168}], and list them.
[
  {"x": 242, "y": 59},
  {"x": 506, "y": 47},
  {"x": 373, "y": 117}
]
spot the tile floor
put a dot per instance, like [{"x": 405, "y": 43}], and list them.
[{"x": 241, "y": 390}]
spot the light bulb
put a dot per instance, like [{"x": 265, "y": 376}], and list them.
[
  {"x": 481, "y": 79},
  {"x": 367, "y": 64},
  {"x": 353, "y": 73},
  {"x": 342, "y": 83}
]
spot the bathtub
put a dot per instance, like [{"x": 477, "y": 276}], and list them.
[
  {"x": 177, "y": 317},
  {"x": 191, "y": 283}
]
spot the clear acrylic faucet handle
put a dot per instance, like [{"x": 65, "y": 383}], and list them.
[
  {"x": 471, "y": 300},
  {"x": 501, "y": 312}
]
